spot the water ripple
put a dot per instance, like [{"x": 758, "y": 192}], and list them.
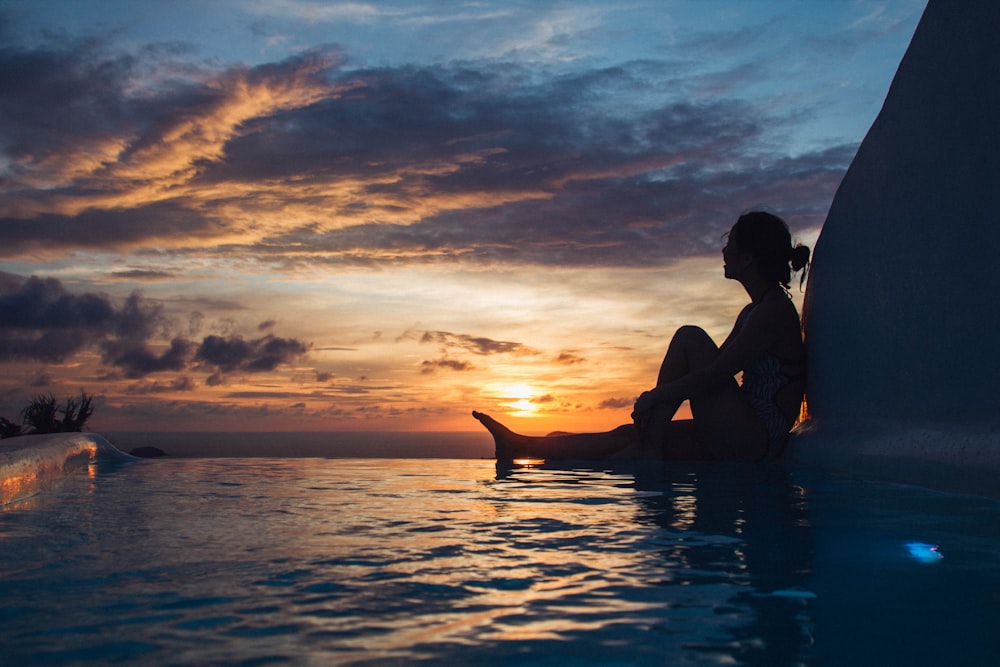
[{"x": 391, "y": 562}]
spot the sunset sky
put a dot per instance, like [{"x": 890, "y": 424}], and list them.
[{"x": 294, "y": 215}]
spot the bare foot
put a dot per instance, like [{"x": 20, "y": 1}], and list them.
[
  {"x": 506, "y": 441},
  {"x": 559, "y": 447}
]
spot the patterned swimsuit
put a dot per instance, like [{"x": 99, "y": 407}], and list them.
[{"x": 762, "y": 380}]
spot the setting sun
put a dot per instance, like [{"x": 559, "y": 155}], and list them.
[
  {"x": 519, "y": 397},
  {"x": 523, "y": 408}
]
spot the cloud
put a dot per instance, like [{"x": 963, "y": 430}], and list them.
[
  {"x": 182, "y": 383},
  {"x": 261, "y": 354},
  {"x": 464, "y": 343},
  {"x": 142, "y": 275},
  {"x": 43, "y": 303},
  {"x": 569, "y": 358},
  {"x": 134, "y": 132},
  {"x": 303, "y": 161},
  {"x": 475, "y": 344},
  {"x": 431, "y": 365},
  {"x": 360, "y": 12},
  {"x": 616, "y": 403},
  {"x": 41, "y": 320},
  {"x": 137, "y": 361}
]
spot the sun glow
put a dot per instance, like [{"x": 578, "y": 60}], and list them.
[
  {"x": 519, "y": 397},
  {"x": 528, "y": 462}
]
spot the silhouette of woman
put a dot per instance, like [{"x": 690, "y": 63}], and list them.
[{"x": 731, "y": 421}]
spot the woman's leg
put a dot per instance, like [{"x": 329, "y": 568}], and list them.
[
  {"x": 622, "y": 443},
  {"x": 681, "y": 442},
  {"x": 569, "y": 446},
  {"x": 729, "y": 427},
  {"x": 724, "y": 428},
  {"x": 690, "y": 349}
]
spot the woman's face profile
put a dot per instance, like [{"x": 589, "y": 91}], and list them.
[{"x": 730, "y": 257}]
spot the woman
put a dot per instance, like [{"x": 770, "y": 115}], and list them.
[{"x": 731, "y": 422}]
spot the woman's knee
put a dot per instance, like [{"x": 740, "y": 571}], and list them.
[
  {"x": 691, "y": 332},
  {"x": 697, "y": 345}
]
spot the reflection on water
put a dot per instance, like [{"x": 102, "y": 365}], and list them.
[
  {"x": 726, "y": 551},
  {"x": 310, "y": 561}
]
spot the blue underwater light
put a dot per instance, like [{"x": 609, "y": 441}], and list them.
[{"x": 925, "y": 553}]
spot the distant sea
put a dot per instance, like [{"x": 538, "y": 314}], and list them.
[{"x": 445, "y": 445}]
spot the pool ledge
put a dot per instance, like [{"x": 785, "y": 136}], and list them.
[
  {"x": 30, "y": 462},
  {"x": 946, "y": 458}
]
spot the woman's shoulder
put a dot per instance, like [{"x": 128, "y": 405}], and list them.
[
  {"x": 779, "y": 301},
  {"x": 776, "y": 311}
]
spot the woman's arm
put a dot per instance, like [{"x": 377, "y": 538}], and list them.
[{"x": 760, "y": 332}]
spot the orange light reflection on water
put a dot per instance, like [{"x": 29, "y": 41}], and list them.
[{"x": 528, "y": 461}]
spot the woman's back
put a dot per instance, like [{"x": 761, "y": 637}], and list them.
[{"x": 777, "y": 376}]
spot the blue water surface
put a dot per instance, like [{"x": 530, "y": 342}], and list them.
[{"x": 315, "y": 561}]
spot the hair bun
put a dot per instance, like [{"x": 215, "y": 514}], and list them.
[{"x": 800, "y": 257}]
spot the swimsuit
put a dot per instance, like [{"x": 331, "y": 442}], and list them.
[{"x": 763, "y": 378}]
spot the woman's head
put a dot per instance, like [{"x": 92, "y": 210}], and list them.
[{"x": 766, "y": 238}]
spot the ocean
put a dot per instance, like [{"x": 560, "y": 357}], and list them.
[{"x": 361, "y": 444}]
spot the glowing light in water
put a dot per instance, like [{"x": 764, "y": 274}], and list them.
[
  {"x": 925, "y": 553},
  {"x": 527, "y": 461}
]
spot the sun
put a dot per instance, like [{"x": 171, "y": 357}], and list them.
[
  {"x": 523, "y": 407},
  {"x": 519, "y": 397}
]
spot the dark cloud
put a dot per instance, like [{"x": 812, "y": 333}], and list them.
[
  {"x": 43, "y": 303},
  {"x": 61, "y": 96},
  {"x": 569, "y": 358},
  {"x": 182, "y": 383},
  {"x": 47, "y": 346},
  {"x": 474, "y": 344},
  {"x": 10, "y": 282},
  {"x": 588, "y": 184},
  {"x": 227, "y": 354},
  {"x": 139, "y": 361},
  {"x": 636, "y": 221},
  {"x": 99, "y": 228},
  {"x": 81, "y": 125},
  {"x": 41, "y": 320},
  {"x": 431, "y": 365},
  {"x": 272, "y": 351},
  {"x": 475, "y": 162},
  {"x": 236, "y": 354},
  {"x": 616, "y": 403}
]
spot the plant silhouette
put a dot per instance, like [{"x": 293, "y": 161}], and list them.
[{"x": 43, "y": 414}]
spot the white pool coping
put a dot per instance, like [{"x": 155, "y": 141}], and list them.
[{"x": 30, "y": 462}]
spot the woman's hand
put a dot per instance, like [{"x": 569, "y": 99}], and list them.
[{"x": 646, "y": 401}]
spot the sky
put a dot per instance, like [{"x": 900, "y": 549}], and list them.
[{"x": 287, "y": 215}]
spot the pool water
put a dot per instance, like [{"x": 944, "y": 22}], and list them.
[{"x": 382, "y": 561}]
